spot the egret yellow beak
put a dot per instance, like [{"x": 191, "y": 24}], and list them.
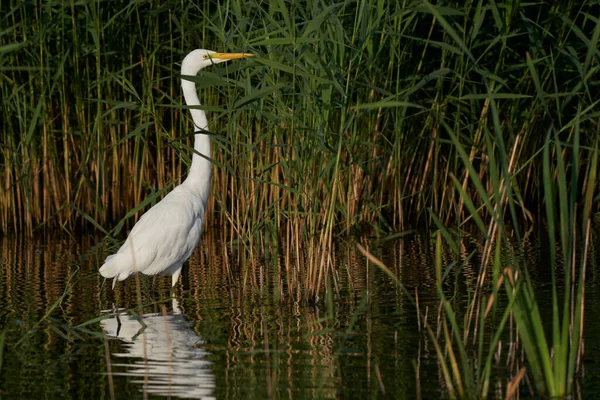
[{"x": 230, "y": 56}]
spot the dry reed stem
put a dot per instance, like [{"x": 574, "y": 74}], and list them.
[{"x": 111, "y": 383}]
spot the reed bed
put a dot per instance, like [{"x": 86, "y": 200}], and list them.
[
  {"x": 356, "y": 117},
  {"x": 339, "y": 126}
]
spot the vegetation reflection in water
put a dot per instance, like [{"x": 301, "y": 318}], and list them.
[
  {"x": 224, "y": 339},
  {"x": 235, "y": 341}
]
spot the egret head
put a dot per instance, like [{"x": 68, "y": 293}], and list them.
[{"x": 200, "y": 58}]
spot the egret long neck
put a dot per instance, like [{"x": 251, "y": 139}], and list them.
[{"x": 200, "y": 171}]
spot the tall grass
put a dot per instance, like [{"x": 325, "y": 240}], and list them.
[
  {"x": 498, "y": 206},
  {"x": 357, "y": 117},
  {"x": 336, "y": 127}
]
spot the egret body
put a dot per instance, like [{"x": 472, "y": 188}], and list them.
[{"x": 165, "y": 236}]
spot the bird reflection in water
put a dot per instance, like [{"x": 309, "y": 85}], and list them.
[{"x": 166, "y": 354}]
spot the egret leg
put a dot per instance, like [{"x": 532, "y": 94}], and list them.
[{"x": 175, "y": 276}]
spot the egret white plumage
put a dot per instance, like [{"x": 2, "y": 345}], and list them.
[{"x": 165, "y": 236}]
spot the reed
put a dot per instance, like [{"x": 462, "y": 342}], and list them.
[
  {"x": 553, "y": 350},
  {"x": 336, "y": 127},
  {"x": 2, "y": 342},
  {"x": 357, "y": 117},
  {"x": 493, "y": 326},
  {"x": 496, "y": 171}
]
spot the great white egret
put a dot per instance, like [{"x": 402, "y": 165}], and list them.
[{"x": 165, "y": 236}]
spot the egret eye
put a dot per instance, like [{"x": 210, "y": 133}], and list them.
[{"x": 206, "y": 57}]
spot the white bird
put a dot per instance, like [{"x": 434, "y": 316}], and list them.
[{"x": 165, "y": 236}]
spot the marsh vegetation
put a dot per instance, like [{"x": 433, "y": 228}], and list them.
[{"x": 357, "y": 122}]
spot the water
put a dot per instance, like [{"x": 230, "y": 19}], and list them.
[
  {"x": 162, "y": 353},
  {"x": 219, "y": 338}
]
